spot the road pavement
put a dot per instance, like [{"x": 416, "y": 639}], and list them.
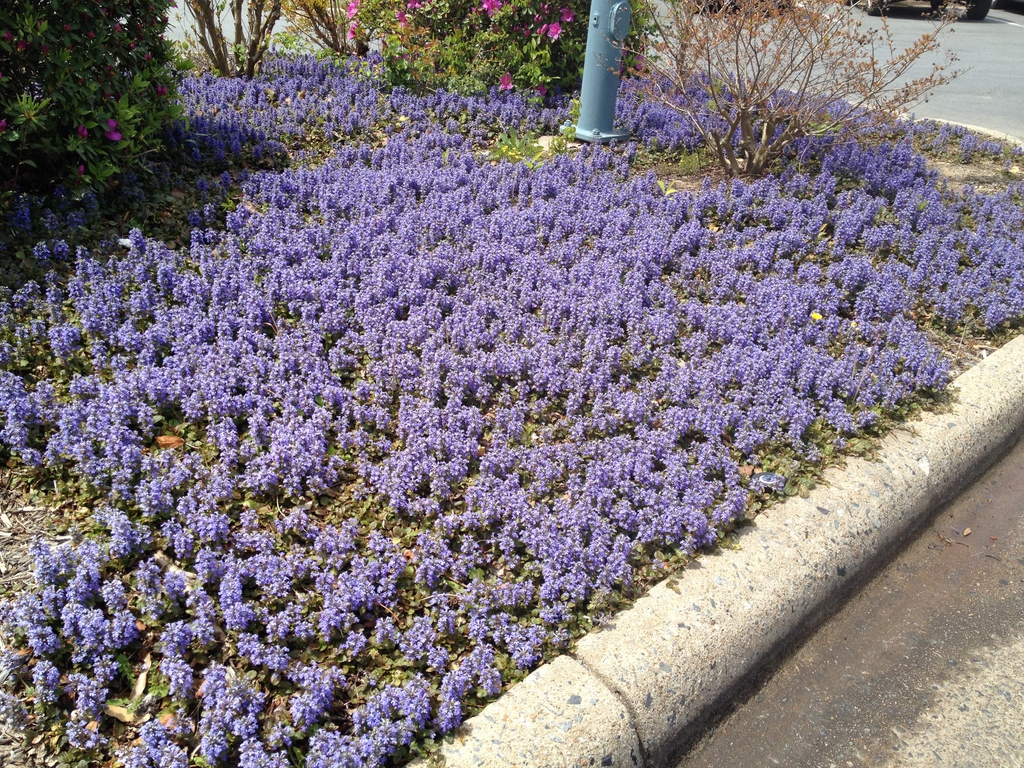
[
  {"x": 924, "y": 667},
  {"x": 990, "y": 91}
]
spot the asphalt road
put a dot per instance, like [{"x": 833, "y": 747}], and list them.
[
  {"x": 990, "y": 92},
  {"x": 923, "y": 668}
]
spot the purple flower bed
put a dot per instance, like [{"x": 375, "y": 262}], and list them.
[
  {"x": 947, "y": 137},
  {"x": 300, "y": 99},
  {"x": 421, "y": 413}
]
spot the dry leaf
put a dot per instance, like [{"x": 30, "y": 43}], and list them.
[
  {"x": 118, "y": 713},
  {"x": 746, "y": 470},
  {"x": 166, "y": 720},
  {"x": 967, "y": 531},
  {"x": 92, "y": 725},
  {"x": 139, "y": 625},
  {"x": 169, "y": 441},
  {"x": 140, "y": 681}
]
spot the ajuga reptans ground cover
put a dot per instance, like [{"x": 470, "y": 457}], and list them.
[{"x": 402, "y": 420}]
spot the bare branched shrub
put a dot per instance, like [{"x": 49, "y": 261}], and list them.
[
  {"x": 252, "y": 22},
  {"x": 325, "y": 23},
  {"x": 776, "y": 70}
]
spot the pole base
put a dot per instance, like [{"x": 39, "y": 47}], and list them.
[{"x": 594, "y": 136}]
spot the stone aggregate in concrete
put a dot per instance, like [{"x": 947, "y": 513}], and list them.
[{"x": 561, "y": 715}]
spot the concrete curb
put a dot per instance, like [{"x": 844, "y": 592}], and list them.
[{"x": 632, "y": 693}]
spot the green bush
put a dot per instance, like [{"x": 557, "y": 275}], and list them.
[
  {"x": 85, "y": 89},
  {"x": 473, "y": 44},
  {"x": 468, "y": 45}
]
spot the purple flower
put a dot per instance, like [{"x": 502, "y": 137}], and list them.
[
  {"x": 111, "y": 132},
  {"x": 82, "y": 131},
  {"x": 12, "y": 711},
  {"x": 155, "y": 749},
  {"x": 529, "y": 375}
]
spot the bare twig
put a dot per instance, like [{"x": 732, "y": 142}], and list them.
[
  {"x": 776, "y": 71},
  {"x": 252, "y": 21}
]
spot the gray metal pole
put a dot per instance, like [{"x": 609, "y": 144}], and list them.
[{"x": 609, "y": 25}]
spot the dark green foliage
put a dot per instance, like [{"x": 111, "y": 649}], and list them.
[{"x": 86, "y": 88}]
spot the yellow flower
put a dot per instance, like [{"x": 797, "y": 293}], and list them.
[{"x": 815, "y": 316}]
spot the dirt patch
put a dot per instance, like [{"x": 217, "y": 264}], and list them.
[
  {"x": 675, "y": 177},
  {"x": 989, "y": 177},
  {"x": 965, "y": 352},
  {"x": 20, "y": 523},
  {"x": 682, "y": 172}
]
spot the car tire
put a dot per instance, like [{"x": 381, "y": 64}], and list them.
[{"x": 977, "y": 9}]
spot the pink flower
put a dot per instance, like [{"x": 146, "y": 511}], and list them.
[
  {"x": 3, "y": 125},
  {"x": 81, "y": 170},
  {"x": 542, "y": 90},
  {"x": 554, "y": 30},
  {"x": 491, "y": 6},
  {"x": 402, "y": 18},
  {"x": 8, "y": 36},
  {"x": 353, "y": 9},
  {"x": 352, "y": 31},
  {"x": 541, "y": 30},
  {"x": 568, "y": 15},
  {"x": 22, "y": 45},
  {"x": 111, "y": 133},
  {"x": 506, "y": 82},
  {"x": 161, "y": 90},
  {"x": 148, "y": 57},
  {"x": 117, "y": 27},
  {"x": 67, "y": 27},
  {"x": 83, "y": 131},
  {"x": 412, "y": 5}
]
